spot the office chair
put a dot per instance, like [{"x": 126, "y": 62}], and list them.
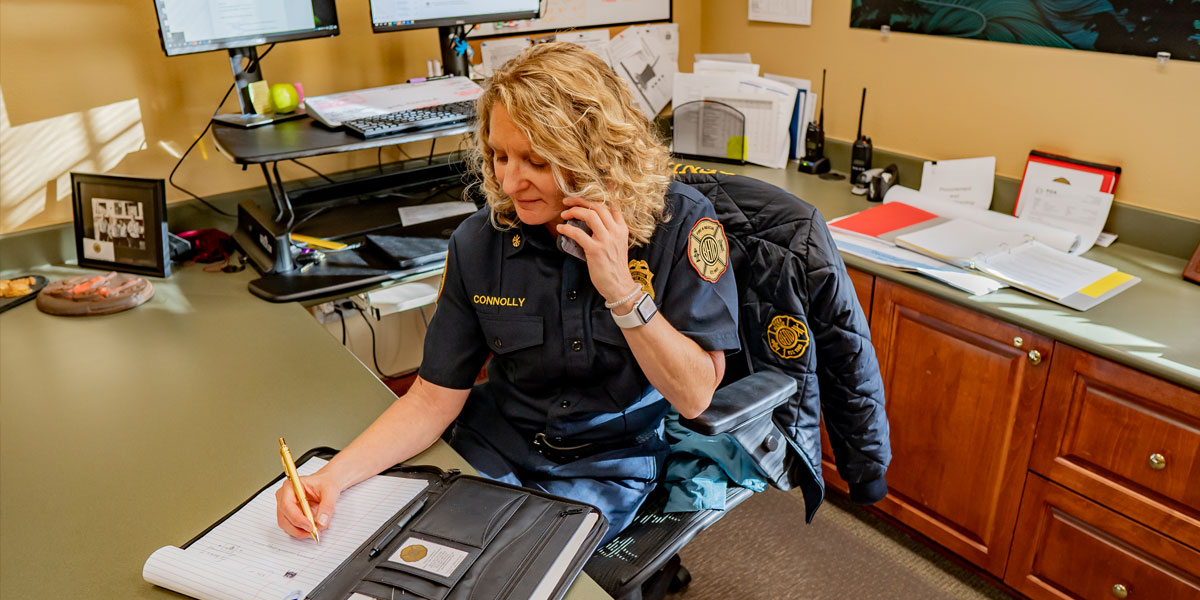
[{"x": 759, "y": 402}]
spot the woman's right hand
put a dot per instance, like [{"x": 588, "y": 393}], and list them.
[{"x": 322, "y": 492}]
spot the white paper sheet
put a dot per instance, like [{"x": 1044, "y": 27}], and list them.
[
  {"x": 1068, "y": 207},
  {"x": 767, "y": 106},
  {"x": 966, "y": 181},
  {"x": 497, "y": 52},
  {"x": 332, "y": 109},
  {"x": 740, "y": 57},
  {"x": 960, "y": 241},
  {"x": 796, "y": 12},
  {"x": 248, "y": 556},
  {"x": 649, "y": 75},
  {"x": 1044, "y": 270},
  {"x": 1055, "y": 237},
  {"x": 721, "y": 67},
  {"x": 886, "y": 254},
  {"x": 595, "y": 40},
  {"x": 805, "y": 105}
]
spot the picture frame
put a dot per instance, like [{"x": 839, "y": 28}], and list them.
[
  {"x": 1192, "y": 271},
  {"x": 121, "y": 223}
]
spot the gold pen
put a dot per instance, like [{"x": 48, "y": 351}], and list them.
[{"x": 289, "y": 467}]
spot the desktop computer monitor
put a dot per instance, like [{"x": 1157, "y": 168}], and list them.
[
  {"x": 448, "y": 17},
  {"x": 190, "y": 26}
]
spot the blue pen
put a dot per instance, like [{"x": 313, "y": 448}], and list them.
[{"x": 395, "y": 530}]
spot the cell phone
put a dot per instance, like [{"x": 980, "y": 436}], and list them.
[{"x": 569, "y": 246}]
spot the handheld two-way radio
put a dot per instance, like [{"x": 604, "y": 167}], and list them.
[
  {"x": 860, "y": 155},
  {"x": 814, "y": 161}
]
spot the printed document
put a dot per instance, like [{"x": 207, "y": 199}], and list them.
[
  {"x": 1043, "y": 270},
  {"x": 966, "y": 181},
  {"x": 595, "y": 40},
  {"x": 247, "y": 556},
  {"x": 960, "y": 241},
  {"x": 767, "y": 106},
  {"x": 636, "y": 56},
  {"x": 1068, "y": 207},
  {"x": 497, "y": 52}
]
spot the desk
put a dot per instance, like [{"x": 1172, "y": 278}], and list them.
[{"x": 124, "y": 433}]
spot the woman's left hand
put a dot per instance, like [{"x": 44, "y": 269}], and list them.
[{"x": 607, "y": 248}]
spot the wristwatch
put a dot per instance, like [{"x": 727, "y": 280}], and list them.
[{"x": 643, "y": 310}]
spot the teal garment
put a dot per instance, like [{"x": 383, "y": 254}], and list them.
[{"x": 700, "y": 468}]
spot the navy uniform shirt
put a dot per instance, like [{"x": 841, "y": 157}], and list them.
[{"x": 561, "y": 365}]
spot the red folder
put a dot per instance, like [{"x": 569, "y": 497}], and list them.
[{"x": 878, "y": 220}]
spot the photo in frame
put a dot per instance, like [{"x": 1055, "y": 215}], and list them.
[{"x": 121, "y": 223}]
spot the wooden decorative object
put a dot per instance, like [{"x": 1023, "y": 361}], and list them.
[{"x": 1192, "y": 271}]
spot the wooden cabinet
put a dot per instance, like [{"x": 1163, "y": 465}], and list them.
[
  {"x": 963, "y": 393},
  {"x": 1124, "y": 439},
  {"x": 864, "y": 286},
  {"x": 1071, "y": 548}
]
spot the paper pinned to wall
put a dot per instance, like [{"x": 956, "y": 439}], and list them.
[
  {"x": 595, "y": 40},
  {"x": 796, "y": 12},
  {"x": 497, "y": 52},
  {"x": 649, "y": 73}
]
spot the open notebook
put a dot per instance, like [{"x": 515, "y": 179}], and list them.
[{"x": 468, "y": 535}]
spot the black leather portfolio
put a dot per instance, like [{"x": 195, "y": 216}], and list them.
[{"x": 428, "y": 534}]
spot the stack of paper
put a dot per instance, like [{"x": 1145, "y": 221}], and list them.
[{"x": 773, "y": 109}]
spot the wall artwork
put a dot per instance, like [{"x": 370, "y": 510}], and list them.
[{"x": 1138, "y": 27}]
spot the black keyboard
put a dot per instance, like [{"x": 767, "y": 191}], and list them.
[{"x": 409, "y": 120}]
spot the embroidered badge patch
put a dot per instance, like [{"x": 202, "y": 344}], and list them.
[
  {"x": 708, "y": 250},
  {"x": 787, "y": 337},
  {"x": 640, "y": 270}
]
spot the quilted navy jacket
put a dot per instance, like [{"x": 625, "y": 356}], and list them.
[{"x": 800, "y": 316}]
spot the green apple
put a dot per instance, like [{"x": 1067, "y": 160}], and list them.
[{"x": 284, "y": 98}]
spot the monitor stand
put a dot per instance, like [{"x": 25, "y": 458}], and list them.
[{"x": 245, "y": 66}]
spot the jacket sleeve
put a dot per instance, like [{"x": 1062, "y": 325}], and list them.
[{"x": 851, "y": 385}]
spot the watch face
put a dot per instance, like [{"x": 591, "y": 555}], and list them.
[{"x": 646, "y": 308}]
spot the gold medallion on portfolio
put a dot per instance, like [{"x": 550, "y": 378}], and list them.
[{"x": 413, "y": 553}]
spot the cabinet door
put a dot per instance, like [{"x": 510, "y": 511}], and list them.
[
  {"x": 864, "y": 285},
  {"x": 963, "y": 395},
  {"x": 1125, "y": 439},
  {"x": 1068, "y": 547}
]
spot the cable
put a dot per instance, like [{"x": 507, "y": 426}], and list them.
[
  {"x": 207, "y": 126},
  {"x": 342, "y": 318},
  {"x": 374, "y": 358},
  {"x": 432, "y": 145},
  {"x": 319, "y": 174}
]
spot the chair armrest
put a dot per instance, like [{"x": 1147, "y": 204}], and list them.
[{"x": 741, "y": 401}]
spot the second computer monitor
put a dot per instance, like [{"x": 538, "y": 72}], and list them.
[{"x": 402, "y": 15}]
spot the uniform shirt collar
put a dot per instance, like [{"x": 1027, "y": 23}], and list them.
[{"x": 522, "y": 236}]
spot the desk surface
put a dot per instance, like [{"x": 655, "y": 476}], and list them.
[
  {"x": 124, "y": 433},
  {"x": 1151, "y": 326},
  {"x": 301, "y": 138}
]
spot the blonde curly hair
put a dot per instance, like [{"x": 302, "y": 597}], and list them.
[{"x": 580, "y": 117}]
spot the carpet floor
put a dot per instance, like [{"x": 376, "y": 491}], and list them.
[{"x": 763, "y": 551}]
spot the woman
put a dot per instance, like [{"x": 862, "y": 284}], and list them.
[{"x": 583, "y": 370}]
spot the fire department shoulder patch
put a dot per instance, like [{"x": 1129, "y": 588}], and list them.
[
  {"x": 708, "y": 250},
  {"x": 787, "y": 336}
]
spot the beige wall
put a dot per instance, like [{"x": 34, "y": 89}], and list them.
[{"x": 946, "y": 98}]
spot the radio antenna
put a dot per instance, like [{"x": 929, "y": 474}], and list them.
[
  {"x": 861, "y": 108},
  {"x": 823, "y": 100}
]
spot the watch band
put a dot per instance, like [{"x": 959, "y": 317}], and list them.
[{"x": 643, "y": 310}]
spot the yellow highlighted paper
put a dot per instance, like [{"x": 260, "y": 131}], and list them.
[{"x": 1105, "y": 284}]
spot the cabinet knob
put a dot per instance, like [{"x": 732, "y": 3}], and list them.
[
  {"x": 1158, "y": 462},
  {"x": 1120, "y": 591},
  {"x": 1035, "y": 357},
  {"x": 1018, "y": 342}
]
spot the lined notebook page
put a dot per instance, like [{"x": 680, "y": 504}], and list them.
[{"x": 247, "y": 556}]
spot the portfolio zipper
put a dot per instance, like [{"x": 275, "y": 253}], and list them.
[{"x": 551, "y": 529}]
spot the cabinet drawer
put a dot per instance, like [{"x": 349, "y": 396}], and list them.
[
  {"x": 864, "y": 286},
  {"x": 1068, "y": 547},
  {"x": 1123, "y": 438}
]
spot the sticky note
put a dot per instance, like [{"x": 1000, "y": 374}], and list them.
[
  {"x": 1104, "y": 284},
  {"x": 260, "y": 97}
]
